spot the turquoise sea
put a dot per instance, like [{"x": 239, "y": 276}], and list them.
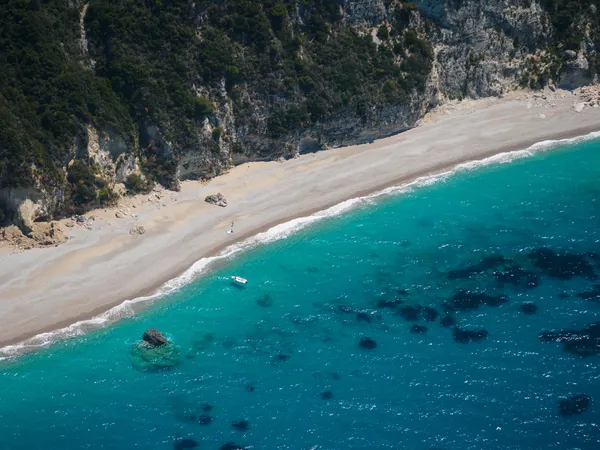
[{"x": 278, "y": 364}]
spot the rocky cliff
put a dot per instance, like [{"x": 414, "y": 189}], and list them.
[{"x": 104, "y": 98}]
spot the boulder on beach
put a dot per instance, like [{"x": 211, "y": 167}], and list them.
[
  {"x": 154, "y": 337},
  {"x": 216, "y": 199}
]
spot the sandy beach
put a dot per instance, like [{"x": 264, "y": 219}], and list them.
[{"x": 98, "y": 268}]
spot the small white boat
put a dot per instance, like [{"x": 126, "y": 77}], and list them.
[{"x": 239, "y": 280}]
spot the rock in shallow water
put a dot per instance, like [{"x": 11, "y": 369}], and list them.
[
  {"x": 154, "y": 337},
  {"x": 241, "y": 425},
  {"x": 231, "y": 446},
  {"x": 185, "y": 444},
  {"x": 463, "y": 336},
  {"x": 574, "y": 405},
  {"x": 205, "y": 419},
  {"x": 447, "y": 321},
  {"x": 584, "y": 342},
  {"x": 151, "y": 359},
  {"x": 528, "y": 308},
  {"x": 562, "y": 266},
  {"x": 327, "y": 395},
  {"x": 418, "y": 329},
  {"x": 367, "y": 343},
  {"x": 465, "y": 300}
]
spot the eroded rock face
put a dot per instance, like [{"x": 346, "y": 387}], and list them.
[
  {"x": 154, "y": 337},
  {"x": 216, "y": 199}
]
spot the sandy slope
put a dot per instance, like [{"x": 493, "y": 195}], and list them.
[{"x": 44, "y": 289}]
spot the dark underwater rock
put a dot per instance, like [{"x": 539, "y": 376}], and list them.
[
  {"x": 185, "y": 444},
  {"x": 583, "y": 343},
  {"x": 249, "y": 388},
  {"x": 447, "y": 321},
  {"x": 206, "y": 407},
  {"x": 562, "y": 266},
  {"x": 418, "y": 329},
  {"x": 528, "y": 308},
  {"x": 464, "y": 336},
  {"x": 205, "y": 419},
  {"x": 327, "y": 395},
  {"x": 429, "y": 314},
  {"x": 148, "y": 358},
  {"x": 486, "y": 264},
  {"x": 154, "y": 337},
  {"x": 364, "y": 317},
  {"x": 574, "y": 405},
  {"x": 564, "y": 295},
  {"x": 367, "y": 343},
  {"x": 265, "y": 301},
  {"x": 464, "y": 300},
  {"x": 592, "y": 295},
  {"x": 231, "y": 446},
  {"x": 409, "y": 313},
  {"x": 389, "y": 303},
  {"x": 280, "y": 358},
  {"x": 241, "y": 425},
  {"x": 517, "y": 276}
]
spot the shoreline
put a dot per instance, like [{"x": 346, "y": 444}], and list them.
[{"x": 103, "y": 250}]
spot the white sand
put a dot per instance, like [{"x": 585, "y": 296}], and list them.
[{"x": 45, "y": 289}]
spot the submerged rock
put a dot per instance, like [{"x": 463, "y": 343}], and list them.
[
  {"x": 592, "y": 295},
  {"x": 367, "y": 343},
  {"x": 241, "y": 425},
  {"x": 205, "y": 419},
  {"x": 364, "y": 317},
  {"x": 464, "y": 300},
  {"x": 409, "y": 313},
  {"x": 249, "y": 388},
  {"x": 574, "y": 405},
  {"x": 584, "y": 342},
  {"x": 148, "y": 358},
  {"x": 562, "y": 266},
  {"x": 464, "y": 336},
  {"x": 528, "y": 308},
  {"x": 447, "y": 321},
  {"x": 231, "y": 446},
  {"x": 154, "y": 337},
  {"x": 418, "y": 329},
  {"x": 265, "y": 301},
  {"x": 327, "y": 395},
  {"x": 429, "y": 313},
  {"x": 185, "y": 444},
  {"x": 486, "y": 264},
  {"x": 206, "y": 407},
  {"x": 216, "y": 199},
  {"x": 386, "y": 303}
]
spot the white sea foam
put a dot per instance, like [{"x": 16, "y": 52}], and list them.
[{"x": 281, "y": 231}]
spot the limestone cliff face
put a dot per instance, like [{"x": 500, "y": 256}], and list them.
[{"x": 480, "y": 48}]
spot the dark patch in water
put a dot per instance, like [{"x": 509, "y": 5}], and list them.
[
  {"x": 517, "y": 276},
  {"x": 249, "y": 388},
  {"x": 574, "y": 405},
  {"x": 364, "y": 317},
  {"x": 409, "y": 313},
  {"x": 592, "y": 295},
  {"x": 241, "y": 425},
  {"x": 327, "y": 395},
  {"x": 312, "y": 269},
  {"x": 206, "y": 407},
  {"x": 464, "y": 336},
  {"x": 447, "y": 321},
  {"x": 584, "y": 342},
  {"x": 185, "y": 444},
  {"x": 336, "y": 376},
  {"x": 564, "y": 295},
  {"x": 280, "y": 358},
  {"x": 528, "y": 308},
  {"x": 418, "y": 329},
  {"x": 389, "y": 304},
  {"x": 265, "y": 301},
  {"x": 231, "y": 446},
  {"x": 487, "y": 263},
  {"x": 562, "y": 266},
  {"x": 205, "y": 419},
  {"x": 367, "y": 343},
  {"x": 465, "y": 300},
  {"x": 429, "y": 314}
]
